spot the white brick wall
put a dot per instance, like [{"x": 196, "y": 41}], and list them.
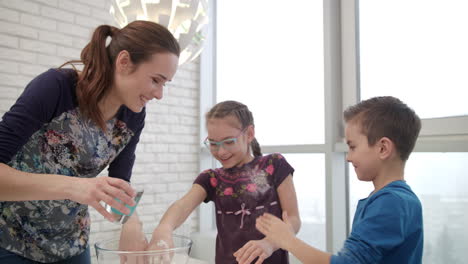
[{"x": 39, "y": 34}]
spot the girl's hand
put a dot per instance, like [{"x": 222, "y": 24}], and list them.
[
  {"x": 132, "y": 238},
  {"x": 253, "y": 249},
  {"x": 92, "y": 191},
  {"x": 161, "y": 239},
  {"x": 275, "y": 230}
]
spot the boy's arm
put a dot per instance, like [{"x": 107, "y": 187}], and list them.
[
  {"x": 306, "y": 253},
  {"x": 378, "y": 231},
  {"x": 297, "y": 247},
  {"x": 282, "y": 234}
]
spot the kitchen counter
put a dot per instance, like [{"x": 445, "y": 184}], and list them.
[{"x": 196, "y": 261}]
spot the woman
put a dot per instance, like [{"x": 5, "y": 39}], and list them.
[{"x": 65, "y": 128}]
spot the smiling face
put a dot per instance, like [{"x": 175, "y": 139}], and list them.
[
  {"x": 364, "y": 158},
  {"x": 136, "y": 85},
  {"x": 229, "y": 127}
]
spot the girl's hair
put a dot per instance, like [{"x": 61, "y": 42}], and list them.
[
  {"x": 241, "y": 112},
  {"x": 141, "y": 39}
]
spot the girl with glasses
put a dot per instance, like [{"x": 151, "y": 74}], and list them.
[{"x": 247, "y": 185}]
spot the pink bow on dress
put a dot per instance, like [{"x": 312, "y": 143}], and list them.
[{"x": 244, "y": 212}]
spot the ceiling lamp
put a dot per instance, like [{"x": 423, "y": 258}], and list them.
[{"x": 184, "y": 18}]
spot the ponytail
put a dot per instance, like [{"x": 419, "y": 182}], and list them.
[
  {"x": 141, "y": 39},
  {"x": 97, "y": 75},
  {"x": 256, "y": 148}
]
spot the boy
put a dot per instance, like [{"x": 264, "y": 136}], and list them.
[{"x": 388, "y": 228}]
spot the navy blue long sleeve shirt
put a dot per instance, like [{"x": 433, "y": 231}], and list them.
[
  {"x": 45, "y": 133},
  {"x": 387, "y": 228}
]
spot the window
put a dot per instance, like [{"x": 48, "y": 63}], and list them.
[
  {"x": 330, "y": 54},
  {"x": 415, "y": 50},
  {"x": 270, "y": 57},
  {"x": 310, "y": 190}
]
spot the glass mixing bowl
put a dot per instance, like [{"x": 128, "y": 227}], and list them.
[{"x": 107, "y": 252}]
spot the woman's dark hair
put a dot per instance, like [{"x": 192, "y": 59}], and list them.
[
  {"x": 141, "y": 39},
  {"x": 241, "y": 112}
]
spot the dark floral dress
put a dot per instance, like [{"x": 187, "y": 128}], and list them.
[
  {"x": 241, "y": 194},
  {"x": 45, "y": 133}
]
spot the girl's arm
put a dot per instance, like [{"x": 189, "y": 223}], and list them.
[
  {"x": 181, "y": 209},
  {"x": 288, "y": 201},
  {"x": 177, "y": 214}
]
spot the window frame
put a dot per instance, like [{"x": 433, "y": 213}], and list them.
[{"x": 442, "y": 134}]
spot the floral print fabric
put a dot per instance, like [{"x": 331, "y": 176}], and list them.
[
  {"x": 240, "y": 195},
  {"x": 49, "y": 231}
]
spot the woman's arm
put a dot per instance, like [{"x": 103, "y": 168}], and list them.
[
  {"x": 17, "y": 185},
  {"x": 45, "y": 97},
  {"x": 132, "y": 238}
]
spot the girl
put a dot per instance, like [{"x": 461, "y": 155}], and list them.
[
  {"x": 75, "y": 123},
  {"x": 247, "y": 185}
]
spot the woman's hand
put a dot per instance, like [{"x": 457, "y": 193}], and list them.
[
  {"x": 161, "y": 239},
  {"x": 92, "y": 191},
  {"x": 275, "y": 230},
  {"x": 253, "y": 249},
  {"x": 132, "y": 238}
]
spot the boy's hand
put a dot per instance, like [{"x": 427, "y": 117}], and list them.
[
  {"x": 252, "y": 249},
  {"x": 275, "y": 230}
]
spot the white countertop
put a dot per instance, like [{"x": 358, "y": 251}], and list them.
[
  {"x": 196, "y": 261},
  {"x": 190, "y": 261}
]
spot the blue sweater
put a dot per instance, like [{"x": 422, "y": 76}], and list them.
[{"x": 387, "y": 228}]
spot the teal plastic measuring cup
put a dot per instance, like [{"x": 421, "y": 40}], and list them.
[{"x": 121, "y": 217}]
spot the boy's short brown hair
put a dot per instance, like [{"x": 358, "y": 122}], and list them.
[{"x": 386, "y": 116}]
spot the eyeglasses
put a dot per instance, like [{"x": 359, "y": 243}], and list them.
[{"x": 228, "y": 144}]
